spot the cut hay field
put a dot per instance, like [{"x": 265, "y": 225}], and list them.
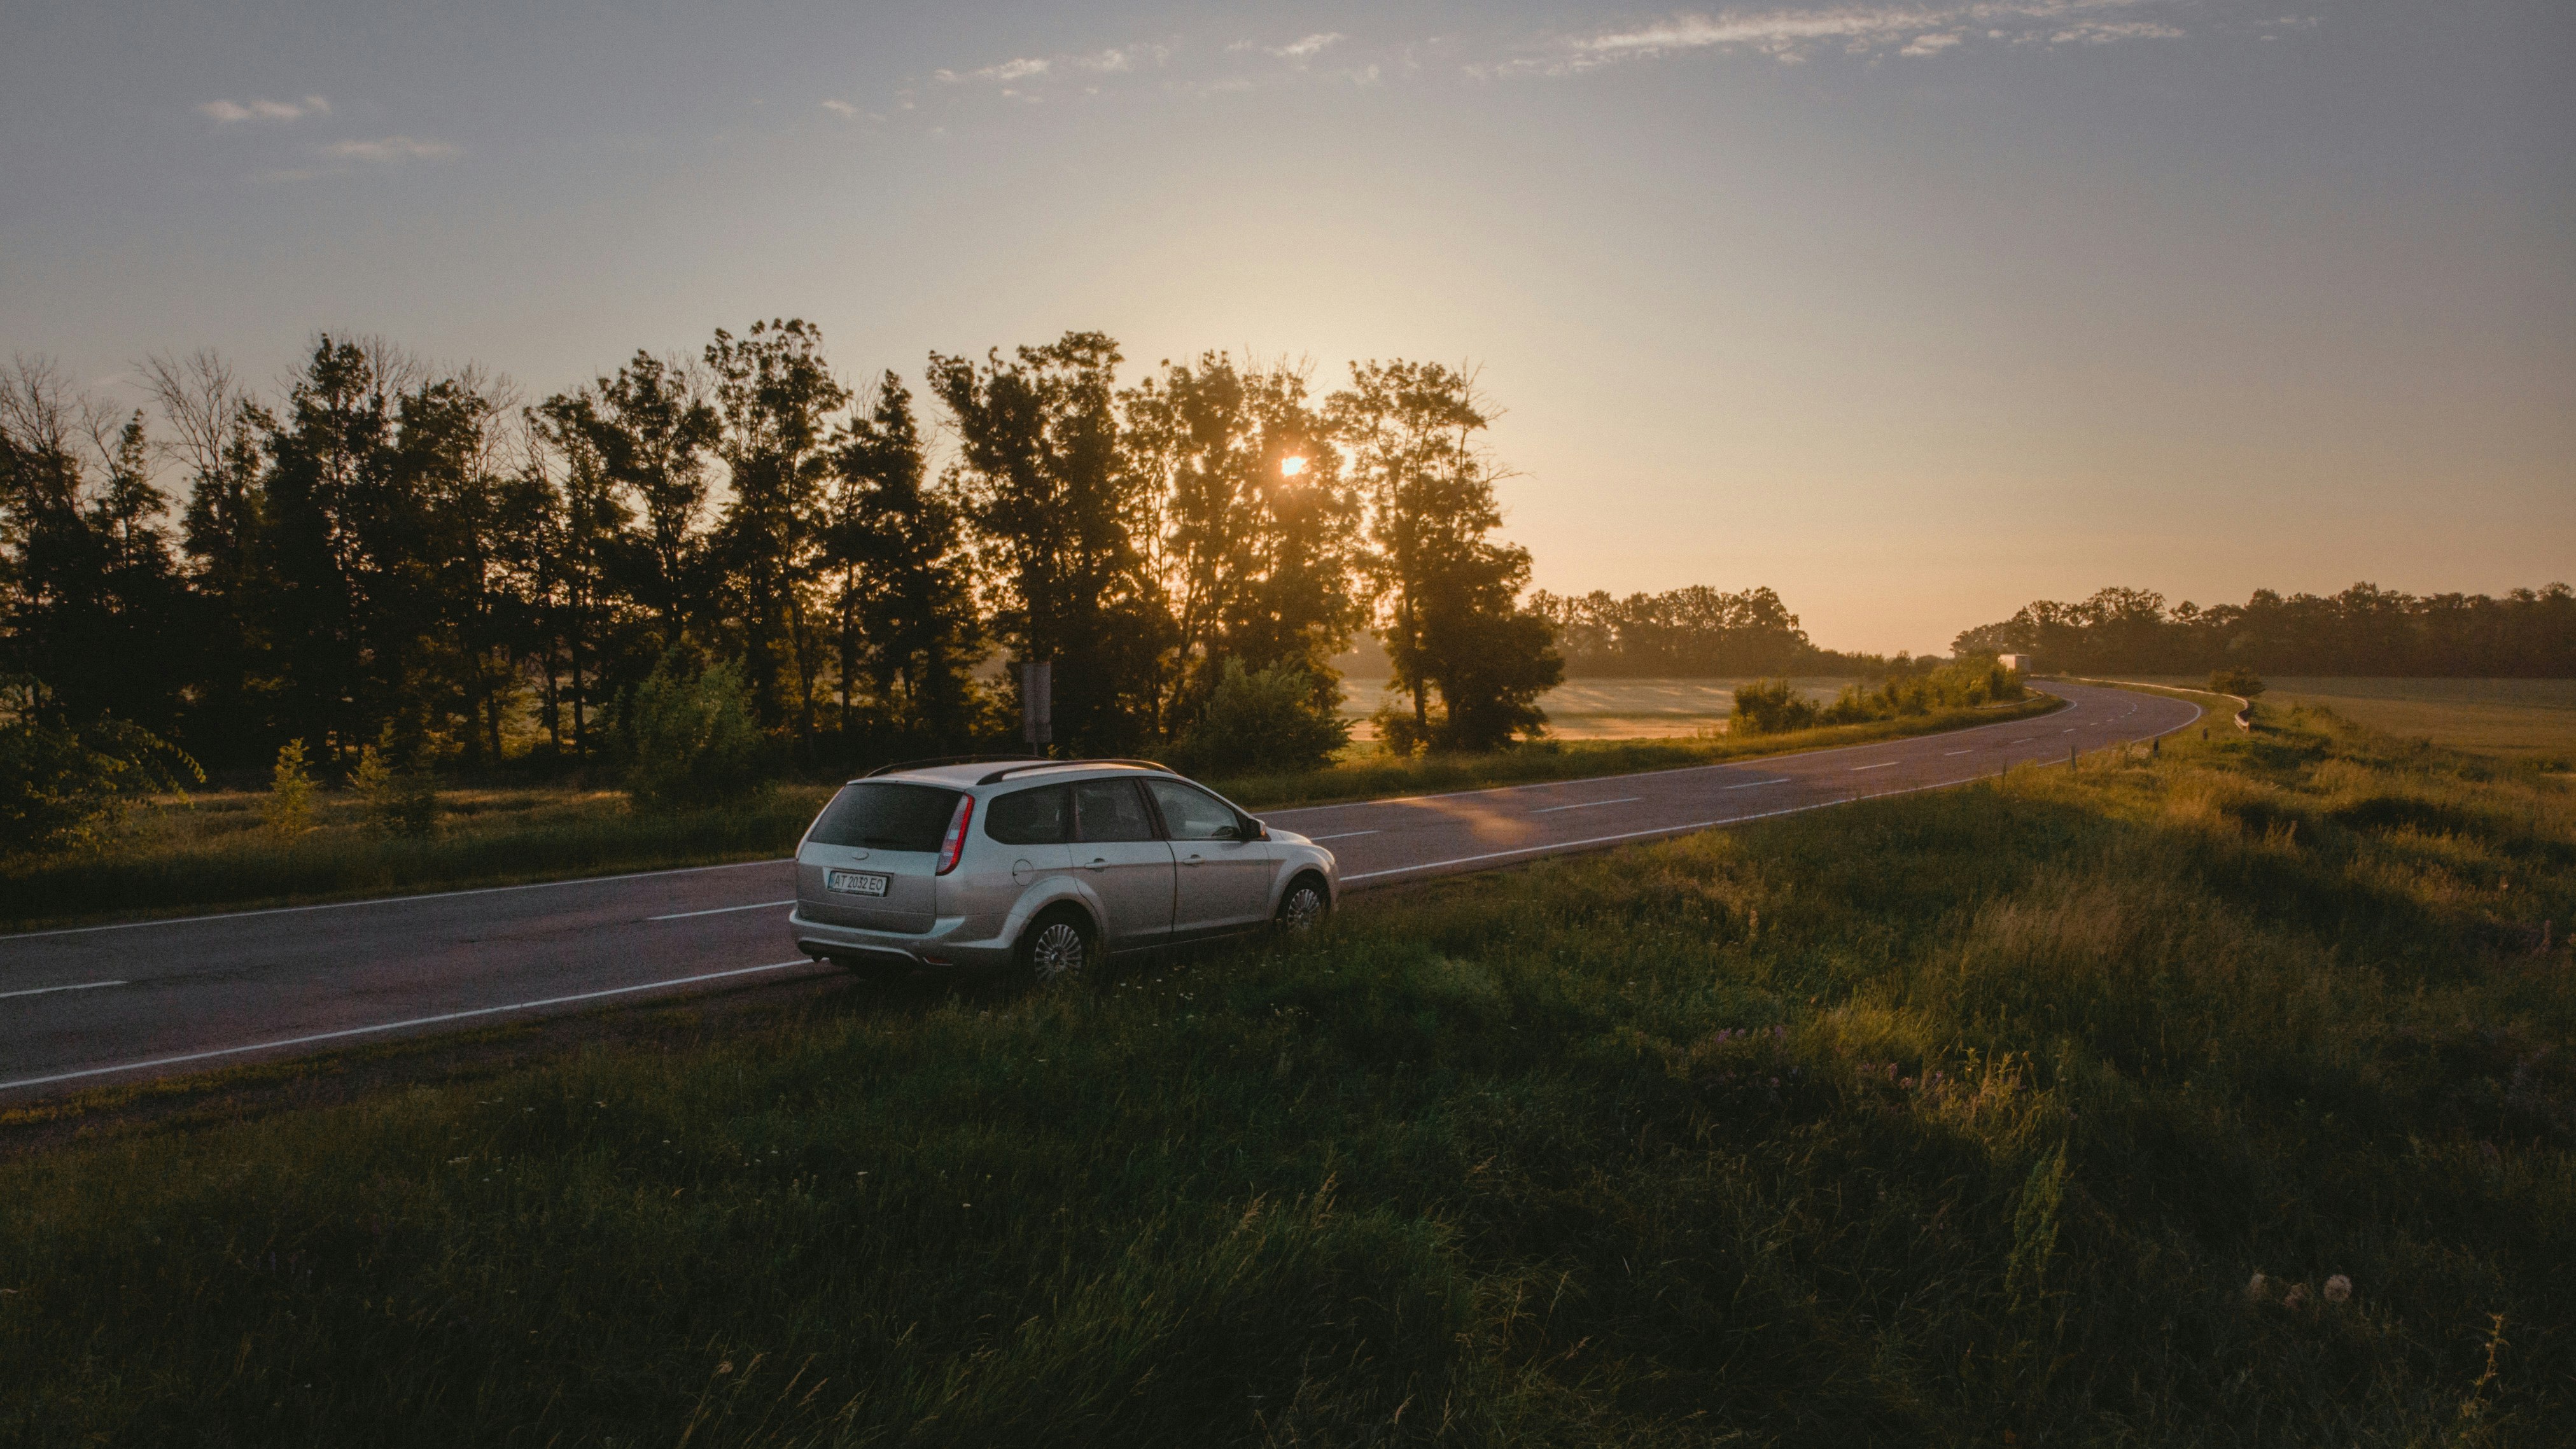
[
  {"x": 2223, "y": 1096},
  {"x": 2506, "y": 718}
]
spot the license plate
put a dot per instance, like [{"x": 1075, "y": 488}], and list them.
[{"x": 857, "y": 883}]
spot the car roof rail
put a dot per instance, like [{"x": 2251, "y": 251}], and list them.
[
  {"x": 1009, "y": 770},
  {"x": 938, "y": 760}
]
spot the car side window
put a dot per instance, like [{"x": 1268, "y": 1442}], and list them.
[
  {"x": 1031, "y": 817},
  {"x": 1106, "y": 810},
  {"x": 1191, "y": 814}
]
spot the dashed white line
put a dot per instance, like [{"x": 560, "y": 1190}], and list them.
[
  {"x": 1881, "y": 765},
  {"x": 41, "y": 990},
  {"x": 1345, "y": 835},
  {"x": 320, "y": 1036},
  {"x": 723, "y": 910},
  {"x": 1757, "y": 784},
  {"x": 1588, "y": 804},
  {"x": 1945, "y": 754}
]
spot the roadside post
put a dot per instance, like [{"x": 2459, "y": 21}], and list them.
[{"x": 1037, "y": 704}]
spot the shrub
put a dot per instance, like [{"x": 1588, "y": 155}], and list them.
[
  {"x": 62, "y": 787},
  {"x": 398, "y": 802},
  {"x": 2237, "y": 681},
  {"x": 288, "y": 810},
  {"x": 690, "y": 735},
  {"x": 1771, "y": 707},
  {"x": 1273, "y": 721}
]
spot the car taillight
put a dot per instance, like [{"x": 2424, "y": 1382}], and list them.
[{"x": 955, "y": 845}]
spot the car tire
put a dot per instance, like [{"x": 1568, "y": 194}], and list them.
[
  {"x": 1305, "y": 905},
  {"x": 1055, "y": 950}
]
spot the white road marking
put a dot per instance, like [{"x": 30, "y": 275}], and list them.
[
  {"x": 1945, "y": 754},
  {"x": 1588, "y": 804},
  {"x": 1881, "y": 765},
  {"x": 722, "y": 910},
  {"x": 1701, "y": 825},
  {"x": 1345, "y": 835},
  {"x": 534, "y": 885},
  {"x": 41, "y": 990},
  {"x": 1756, "y": 784},
  {"x": 394, "y": 1025}
]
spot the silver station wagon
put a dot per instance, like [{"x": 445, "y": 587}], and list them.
[{"x": 1042, "y": 865}]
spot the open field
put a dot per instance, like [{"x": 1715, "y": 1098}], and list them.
[
  {"x": 213, "y": 853},
  {"x": 1622, "y": 709},
  {"x": 1959, "y": 1118},
  {"x": 2510, "y": 718}
]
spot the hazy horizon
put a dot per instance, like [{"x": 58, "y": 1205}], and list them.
[{"x": 1913, "y": 313}]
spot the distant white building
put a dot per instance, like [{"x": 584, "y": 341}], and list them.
[{"x": 2017, "y": 663}]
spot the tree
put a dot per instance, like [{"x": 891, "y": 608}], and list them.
[
  {"x": 774, "y": 393},
  {"x": 216, "y": 427},
  {"x": 652, "y": 432},
  {"x": 908, "y": 624},
  {"x": 1255, "y": 532},
  {"x": 1448, "y": 595},
  {"x": 1059, "y": 517}
]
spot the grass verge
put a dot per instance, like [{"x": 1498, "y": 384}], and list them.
[
  {"x": 1955, "y": 1118},
  {"x": 213, "y": 853}
]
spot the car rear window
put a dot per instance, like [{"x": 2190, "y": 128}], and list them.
[
  {"x": 879, "y": 815},
  {"x": 1031, "y": 817}
]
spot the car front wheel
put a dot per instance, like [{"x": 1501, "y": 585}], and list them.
[{"x": 1304, "y": 907}]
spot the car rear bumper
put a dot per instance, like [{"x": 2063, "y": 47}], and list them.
[{"x": 932, "y": 948}]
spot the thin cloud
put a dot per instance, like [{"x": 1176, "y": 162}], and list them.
[
  {"x": 1110, "y": 61},
  {"x": 389, "y": 151},
  {"x": 1789, "y": 35},
  {"x": 1309, "y": 47},
  {"x": 229, "y": 113},
  {"x": 842, "y": 109}
]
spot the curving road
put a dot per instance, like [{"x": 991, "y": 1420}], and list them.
[{"x": 98, "y": 1005}]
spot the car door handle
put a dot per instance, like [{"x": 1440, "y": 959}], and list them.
[
  {"x": 1098, "y": 863},
  {"x": 1193, "y": 860}
]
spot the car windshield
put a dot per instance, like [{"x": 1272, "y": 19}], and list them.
[{"x": 878, "y": 815}]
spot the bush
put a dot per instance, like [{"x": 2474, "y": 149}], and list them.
[
  {"x": 61, "y": 787},
  {"x": 1771, "y": 707},
  {"x": 1274, "y": 721},
  {"x": 288, "y": 810},
  {"x": 401, "y": 803},
  {"x": 690, "y": 735},
  {"x": 2238, "y": 681}
]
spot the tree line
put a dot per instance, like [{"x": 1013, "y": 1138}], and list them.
[
  {"x": 424, "y": 558},
  {"x": 2365, "y": 630},
  {"x": 1695, "y": 632}
]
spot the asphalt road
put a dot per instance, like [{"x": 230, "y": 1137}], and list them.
[{"x": 102, "y": 1005}]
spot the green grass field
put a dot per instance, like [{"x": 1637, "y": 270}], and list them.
[
  {"x": 1966, "y": 1118},
  {"x": 2508, "y": 718},
  {"x": 212, "y": 852}
]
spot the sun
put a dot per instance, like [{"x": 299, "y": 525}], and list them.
[{"x": 1290, "y": 467}]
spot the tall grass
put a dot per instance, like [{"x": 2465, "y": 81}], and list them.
[
  {"x": 213, "y": 853},
  {"x": 1963, "y": 1118}
]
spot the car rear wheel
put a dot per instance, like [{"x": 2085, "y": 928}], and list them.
[
  {"x": 1056, "y": 947},
  {"x": 1304, "y": 907}
]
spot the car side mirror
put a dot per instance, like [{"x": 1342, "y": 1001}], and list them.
[{"x": 1251, "y": 829}]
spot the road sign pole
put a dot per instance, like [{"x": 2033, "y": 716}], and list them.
[{"x": 1037, "y": 704}]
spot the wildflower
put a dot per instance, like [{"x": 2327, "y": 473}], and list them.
[
  {"x": 2256, "y": 1288},
  {"x": 2338, "y": 1289},
  {"x": 2297, "y": 1297}
]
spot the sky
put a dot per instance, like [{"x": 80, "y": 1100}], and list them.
[{"x": 1913, "y": 312}]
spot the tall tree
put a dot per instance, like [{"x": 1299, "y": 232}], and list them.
[
  {"x": 1059, "y": 517},
  {"x": 908, "y": 624},
  {"x": 775, "y": 395},
  {"x": 216, "y": 427},
  {"x": 585, "y": 551},
  {"x": 653, "y": 432},
  {"x": 1448, "y": 594},
  {"x": 1256, "y": 531}
]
